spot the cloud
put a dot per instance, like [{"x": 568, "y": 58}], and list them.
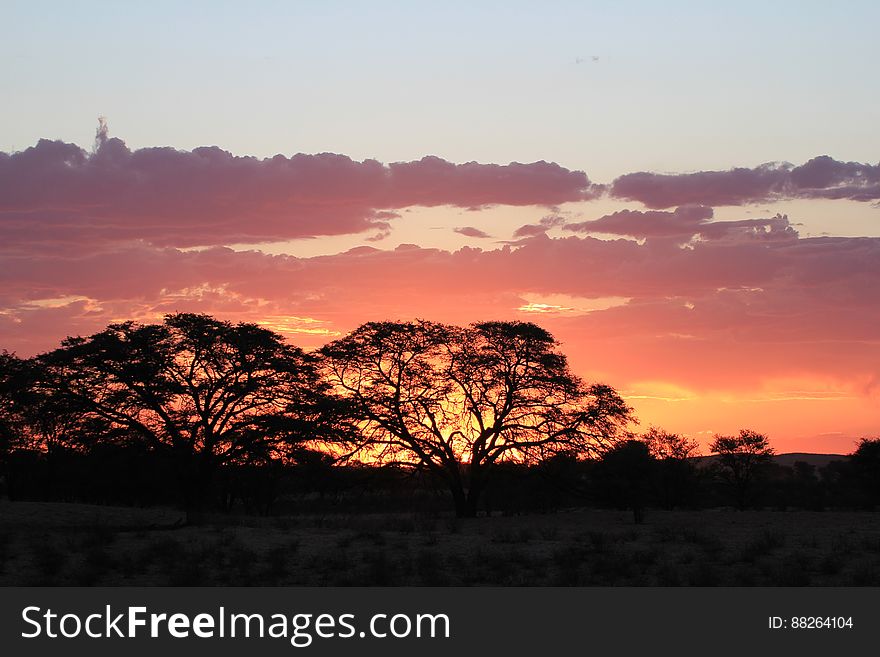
[
  {"x": 820, "y": 177},
  {"x": 684, "y": 224},
  {"x": 685, "y": 220},
  {"x": 56, "y": 195},
  {"x": 470, "y": 231},
  {"x": 541, "y": 228},
  {"x": 782, "y": 305}
]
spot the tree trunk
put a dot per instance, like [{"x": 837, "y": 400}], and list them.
[
  {"x": 472, "y": 501},
  {"x": 198, "y": 485},
  {"x": 470, "y": 508},
  {"x": 638, "y": 514},
  {"x": 742, "y": 495},
  {"x": 460, "y": 499},
  {"x": 6, "y": 475}
]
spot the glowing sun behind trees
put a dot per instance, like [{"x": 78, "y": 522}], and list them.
[{"x": 457, "y": 401}]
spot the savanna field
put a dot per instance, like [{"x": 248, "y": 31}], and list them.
[{"x": 45, "y": 544}]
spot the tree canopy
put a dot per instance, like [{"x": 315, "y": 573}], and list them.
[
  {"x": 209, "y": 391},
  {"x": 458, "y": 400},
  {"x": 664, "y": 445}
]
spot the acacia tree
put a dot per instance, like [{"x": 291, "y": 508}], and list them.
[
  {"x": 740, "y": 460},
  {"x": 206, "y": 391},
  {"x": 457, "y": 401}
]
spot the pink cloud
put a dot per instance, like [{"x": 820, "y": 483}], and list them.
[
  {"x": 540, "y": 228},
  {"x": 471, "y": 231},
  {"x": 783, "y": 304},
  {"x": 57, "y": 194}
]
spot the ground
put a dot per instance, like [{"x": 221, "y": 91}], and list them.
[{"x": 76, "y": 544}]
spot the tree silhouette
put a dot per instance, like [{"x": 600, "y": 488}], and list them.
[
  {"x": 676, "y": 475},
  {"x": 457, "y": 401},
  {"x": 12, "y": 373},
  {"x": 624, "y": 474},
  {"x": 865, "y": 461},
  {"x": 36, "y": 419},
  {"x": 207, "y": 391},
  {"x": 664, "y": 445},
  {"x": 806, "y": 486},
  {"x": 740, "y": 460}
]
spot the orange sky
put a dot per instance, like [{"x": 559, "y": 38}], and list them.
[{"x": 713, "y": 300}]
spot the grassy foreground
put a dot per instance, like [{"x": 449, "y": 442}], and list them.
[{"x": 75, "y": 544}]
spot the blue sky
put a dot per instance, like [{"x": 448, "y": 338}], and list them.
[{"x": 675, "y": 86}]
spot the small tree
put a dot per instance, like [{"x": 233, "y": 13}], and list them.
[
  {"x": 676, "y": 476},
  {"x": 805, "y": 486},
  {"x": 664, "y": 445},
  {"x": 624, "y": 475},
  {"x": 740, "y": 462}
]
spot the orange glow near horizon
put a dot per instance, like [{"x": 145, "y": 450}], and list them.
[{"x": 805, "y": 424}]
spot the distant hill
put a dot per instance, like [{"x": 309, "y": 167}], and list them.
[
  {"x": 788, "y": 460},
  {"x": 819, "y": 460}
]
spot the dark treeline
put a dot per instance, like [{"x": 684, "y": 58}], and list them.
[
  {"x": 130, "y": 475},
  {"x": 210, "y": 415}
]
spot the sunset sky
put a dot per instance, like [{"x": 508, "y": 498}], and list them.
[{"x": 687, "y": 196}]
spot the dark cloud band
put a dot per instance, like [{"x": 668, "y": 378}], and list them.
[
  {"x": 56, "y": 192},
  {"x": 821, "y": 177}
]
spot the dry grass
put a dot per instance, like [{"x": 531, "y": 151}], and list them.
[{"x": 70, "y": 544}]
